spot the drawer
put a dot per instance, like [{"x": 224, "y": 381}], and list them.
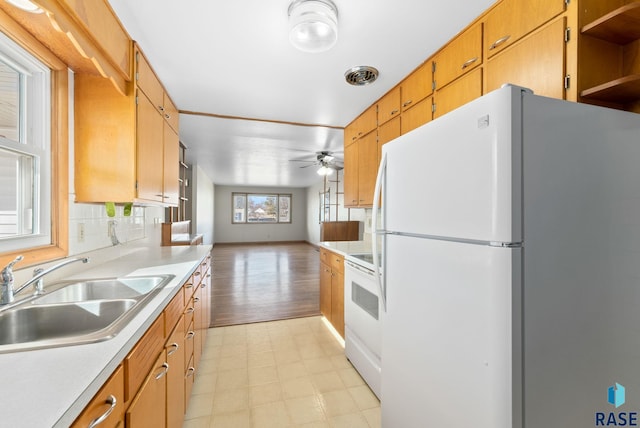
[
  {"x": 173, "y": 312},
  {"x": 110, "y": 396},
  {"x": 140, "y": 360},
  {"x": 337, "y": 262},
  {"x": 189, "y": 345}
]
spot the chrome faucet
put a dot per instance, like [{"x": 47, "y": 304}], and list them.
[{"x": 8, "y": 292}]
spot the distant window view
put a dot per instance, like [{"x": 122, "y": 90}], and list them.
[{"x": 261, "y": 208}]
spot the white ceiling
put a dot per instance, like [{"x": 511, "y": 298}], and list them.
[{"x": 233, "y": 59}]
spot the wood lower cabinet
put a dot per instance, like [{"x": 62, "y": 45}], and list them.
[
  {"x": 153, "y": 384},
  {"x": 175, "y": 397},
  {"x": 148, "y": 409},
  {"x": 107, "y": 407},
  {"x": 332, "y": 288},
  {"x": 536, "y": 62}
]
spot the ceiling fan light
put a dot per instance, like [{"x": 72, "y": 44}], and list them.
[
  {"x": 313, "y": 25},
  {"x": 26, "y": 5},
  {"x": 324, "y": 170}
]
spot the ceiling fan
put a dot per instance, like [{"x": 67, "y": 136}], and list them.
[{"x": 327, "y": 162}]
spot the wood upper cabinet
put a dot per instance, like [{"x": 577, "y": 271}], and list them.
[
  {"x": 512, "y": 19},
  {"x": 460, "y": 56},
  {"x": 362, "y": 125},
  {"x": 536, "y": 62},
  {"x": 389, "y": 106},
  {"x": 351, "y": 175},
  {"x": 367, "y": 168},
  {"x": 147, "y": 81},
  {"x": 108, "y": 401},
  {"x": 149, "y": 158},
  {"x": 461, "y": 91},
  {"x": 126, "y": 147},
  {"x": 417, "y": 86},
  {"x": 417, "y": 115},
  {"x": 388, "y": 132}
]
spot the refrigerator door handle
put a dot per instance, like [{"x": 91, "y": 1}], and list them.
[{"x": 380, "y": 279}]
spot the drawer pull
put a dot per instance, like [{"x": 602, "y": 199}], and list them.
[
  {"x": 160, "y": 108},
  {"x": 196, "y": 273},
  {"x": 191, "y": 334},
  {"x": 406, "y": 103},
  {"x": 394, "y": 112},
  {"x": 165, "y": 366},
  {"x": 196, "y": 299},
  {"x": 188, "y": 285},
  {"x": 500, "y": 41},
  {"x": 112, "y": 402},
  {"x": 190, "y": 371},
  {"x": 469, "y": 62},
  {"x": 174, "y": 347},
  {"x": 189, "y": 310}
]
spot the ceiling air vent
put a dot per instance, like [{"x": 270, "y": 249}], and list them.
[{"x": 361, "y": 75}]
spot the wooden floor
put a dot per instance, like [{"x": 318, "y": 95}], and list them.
[{"x": 264, "y": 282}]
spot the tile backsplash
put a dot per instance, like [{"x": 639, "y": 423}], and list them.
[{"x": 89, "y": 226}]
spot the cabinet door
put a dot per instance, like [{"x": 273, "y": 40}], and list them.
[
  {"x": 175, "y": 376},
  {"x": 460, "y": 56},
  {"x": 171, "y": 170},
  {"x": 149, "y": 160},
  {"x": 368, "y": 121},
  {"x": 417, "y": 115},
  {"x": 537, "y": 62},
  {"x": 388, "y": 132},
  {"x": 351, "y": 175},
  {"x": 337, "y": 301},
  {"x": 171, "y": 114},
  {"x": 110, "y": 398},
  {"x": 417, "y": 86},
  {"x": 389, "y": 106},
  {"x": 325, "y": 290},
  {"x": 367, "y": 167},
  {"x": 460, "y": 92},
  {"x": 512, "y": 19},
  {"x": 148, "y": 408},
  {"x": 148, "y": 82}
]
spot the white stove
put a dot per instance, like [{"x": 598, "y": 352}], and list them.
[{"x": 362, "y": 312}]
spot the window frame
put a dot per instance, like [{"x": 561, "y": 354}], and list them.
[
  {"x": 59, "y": 150},
  {"x": 246, "y": 196}
]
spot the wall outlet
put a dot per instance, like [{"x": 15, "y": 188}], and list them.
[{"x": 80, "y": 232}]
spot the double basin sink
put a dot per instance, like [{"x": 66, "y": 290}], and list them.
[{"x": 76, "y": 312}]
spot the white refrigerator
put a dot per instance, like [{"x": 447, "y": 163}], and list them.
[{"x": 510, "y": 234}]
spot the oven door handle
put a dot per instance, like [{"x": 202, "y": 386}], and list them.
[{"x": 362, "y": 270}]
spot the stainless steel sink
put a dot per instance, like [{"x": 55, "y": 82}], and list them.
[
  {"x": 77, "y": 312},
  {"x": 100, "y": 289}
]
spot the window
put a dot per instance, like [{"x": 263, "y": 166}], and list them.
[
  {"x": 33, "y": 149},
  {"x": 261, "y": 208},
  {"x": 25, "y": 148}
]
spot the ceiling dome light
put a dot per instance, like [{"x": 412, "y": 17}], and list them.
[
  {"x": 313, "y": 25},
  {"x": 26, "y": 5}
]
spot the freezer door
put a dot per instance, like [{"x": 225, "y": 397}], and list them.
[
  {"x": 459, "y": 176},
  {"x": 451, "y": 343}
]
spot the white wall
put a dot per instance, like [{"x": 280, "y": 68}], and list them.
[
  {"x": 227, "y": 232},
  {"x": 203, "y": 205}
]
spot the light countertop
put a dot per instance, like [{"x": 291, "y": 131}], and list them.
[
  {"x": 50, "y": 387},
  {"x": 345, "y": 248}
]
